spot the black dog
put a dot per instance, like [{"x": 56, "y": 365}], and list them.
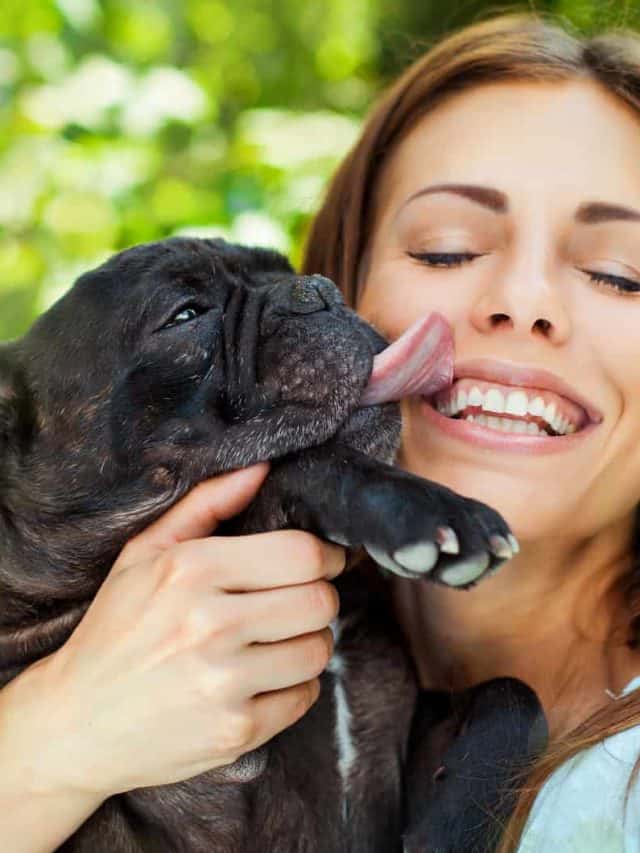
[{"x": 170, "y": 363}]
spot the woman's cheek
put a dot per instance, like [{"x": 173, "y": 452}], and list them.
[{"x": 395, "y": 296}]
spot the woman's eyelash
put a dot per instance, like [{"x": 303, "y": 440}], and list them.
[
  {"x": 443, "y": 259},
  {"x": 456, "y": 259},
  {"x": 626, "y": 285}
]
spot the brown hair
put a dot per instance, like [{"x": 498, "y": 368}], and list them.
[{"x": 521, "y": 46}]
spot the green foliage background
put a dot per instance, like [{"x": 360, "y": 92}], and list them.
[{"x": 123, "y": 121}]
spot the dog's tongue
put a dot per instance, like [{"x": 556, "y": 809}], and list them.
[{"x": 419, "y": 362}]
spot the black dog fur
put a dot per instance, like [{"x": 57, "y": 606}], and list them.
[{"x": 168, "y": 364}]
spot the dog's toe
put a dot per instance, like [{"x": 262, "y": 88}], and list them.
[
  {"x": 465, "y": 572},
  {"x": 420, "y": 557},
  {"x": 338, "y": 539},
  {"x": 383, "y": 559}
]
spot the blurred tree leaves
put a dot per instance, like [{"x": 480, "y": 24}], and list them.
[{"x": 124, "y": 121}]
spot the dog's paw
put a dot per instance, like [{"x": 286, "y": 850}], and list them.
[{"x": 424, "y": 530}]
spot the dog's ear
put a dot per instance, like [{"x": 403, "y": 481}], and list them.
[
  {"x": 6, "y": 403},
  {"x": 13, "y": 401}
]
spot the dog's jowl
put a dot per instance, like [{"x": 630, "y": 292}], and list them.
[{"x": 173, "y": 362}]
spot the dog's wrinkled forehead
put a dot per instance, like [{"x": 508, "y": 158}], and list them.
[
  {"x": 214, "y": 258},
  {"x": 137, "y": 283},
  {"x": 145, "y": 272}
]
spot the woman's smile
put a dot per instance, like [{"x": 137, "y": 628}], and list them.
[
  {"x": 532, "y": 410},
  {"x": 510, "y": 433}
]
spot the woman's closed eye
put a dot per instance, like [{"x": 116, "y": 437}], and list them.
[
  {"x": 445, "y": 259},
  {"x": 456, "y": 259},
  {"x": 619, "y": 282}
]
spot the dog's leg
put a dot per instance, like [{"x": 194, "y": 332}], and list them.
[
  {"x": 466, "y": 758},
  {"x": 413, "y": 527}
]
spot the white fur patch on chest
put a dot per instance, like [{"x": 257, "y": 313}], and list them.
[{"x": 347, "y": 752}]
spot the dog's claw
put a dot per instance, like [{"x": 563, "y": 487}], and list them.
[
  {"x": 500, "y": 547},
  {"x": 447, "y": 540}
]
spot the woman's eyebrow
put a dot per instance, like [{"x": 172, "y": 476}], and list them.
[
  {"x": 594, "y": 212},
  {"x": 486, "y": 196},
  {"x": 589, "y": 213}
]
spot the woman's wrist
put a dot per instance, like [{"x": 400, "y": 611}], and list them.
[{"x": 41, "y": 802}]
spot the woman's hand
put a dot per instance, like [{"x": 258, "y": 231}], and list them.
[{"x": 195, "y": 650}]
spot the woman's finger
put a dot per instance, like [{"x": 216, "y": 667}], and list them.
[
  {"x": 273, "y": 666},
  {"x": 275, "y": 711},
  {"x": 271, "y": 615},
  {"x": 252, "y": 562}
]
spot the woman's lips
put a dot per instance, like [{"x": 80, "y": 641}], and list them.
[
  {"x": 563, "y": 408},
  {"x": 493, "y": 439},
  {"x": 504, "y": 372}
]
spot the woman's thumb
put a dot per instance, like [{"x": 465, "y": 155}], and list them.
[{"x": 199, "y": 512}]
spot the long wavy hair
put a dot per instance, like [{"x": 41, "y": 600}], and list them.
[{"x": 519, "y": 47}]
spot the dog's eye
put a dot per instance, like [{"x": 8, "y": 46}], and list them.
[{"x": 184, "y": 315}]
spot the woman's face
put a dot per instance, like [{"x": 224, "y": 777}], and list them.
[{"x": 542, "y": 171}]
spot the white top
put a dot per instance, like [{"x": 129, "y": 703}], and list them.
[{"x": 580, "y": 808}]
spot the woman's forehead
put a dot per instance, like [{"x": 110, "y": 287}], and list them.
[{"x": 570, "y": 138}]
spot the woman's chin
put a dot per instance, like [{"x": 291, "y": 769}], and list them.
[
  {"x": 526, "y": 490},
  {"x": 532, "y": 510}
]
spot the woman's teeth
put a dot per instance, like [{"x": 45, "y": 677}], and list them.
[
  {"x": 507, "y": 425},
  {"x": 521, "y": 407}
]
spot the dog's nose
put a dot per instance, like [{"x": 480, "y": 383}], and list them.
[
  {"x": 304, "y": 294},
  {"x": 311, "y": 293}
]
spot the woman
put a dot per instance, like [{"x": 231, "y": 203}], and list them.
[{"x": 496, "y": 182}]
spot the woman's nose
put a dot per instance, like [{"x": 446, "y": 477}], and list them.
[{"x": 523, "y": 302}]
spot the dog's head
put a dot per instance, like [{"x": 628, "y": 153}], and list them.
[
  {"x": 171, "y": 362},
  {"x": 188, "y": 343}
]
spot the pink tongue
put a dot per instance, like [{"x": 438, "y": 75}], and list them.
[{"x": 419, "y": 362}]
